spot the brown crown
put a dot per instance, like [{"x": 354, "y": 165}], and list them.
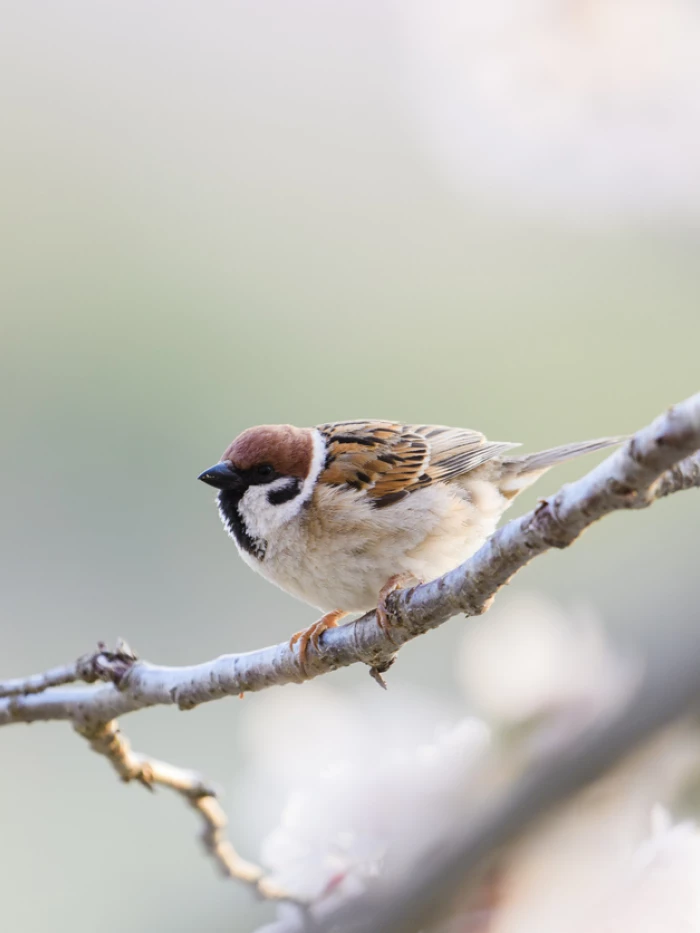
[{"x": 286, "y": 448}]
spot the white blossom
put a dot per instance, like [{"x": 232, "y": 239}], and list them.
[
  {"x": 587, "y": 108},
  {"x": 357, "y": 775},
  {"x": 528, "y": 659},
  {"x": 367, "y": 787},
  {"x": 660, "y": 890},
  {"x": 574, "y": 871}
]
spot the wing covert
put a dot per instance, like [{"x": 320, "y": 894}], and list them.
[{"x": 387, "y": 460}]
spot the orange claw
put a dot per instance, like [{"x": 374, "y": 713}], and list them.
[
  {"x": 313, "y": 633},
  {"x": 397, "y": 582}
]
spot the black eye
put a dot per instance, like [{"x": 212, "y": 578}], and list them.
[{"x": 264, "y": 470}]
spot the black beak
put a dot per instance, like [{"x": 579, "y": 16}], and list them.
[{"x": 221, "y": 476}]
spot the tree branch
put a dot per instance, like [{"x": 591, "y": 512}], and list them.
[
  {"x": 106, "y": 739},
  {"x": 660, "y": 459}
]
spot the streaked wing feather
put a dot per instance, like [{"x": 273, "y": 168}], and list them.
[{"x": 387, "y": 460}]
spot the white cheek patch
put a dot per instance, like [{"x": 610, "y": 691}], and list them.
[
  {"x": 256, "y": 511},
  {"x": 261, "y": 515}
]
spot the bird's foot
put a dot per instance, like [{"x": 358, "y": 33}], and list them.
[
  {"x": 397, "y": 582},
  {"x": 313, "y": 633}
]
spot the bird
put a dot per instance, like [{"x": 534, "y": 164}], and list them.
[{"x": 342, "y": 514}]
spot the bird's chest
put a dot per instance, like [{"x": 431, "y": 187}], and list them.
[
  {"x": 338, "y": 568},
  {"x": 339, "y": 552}
]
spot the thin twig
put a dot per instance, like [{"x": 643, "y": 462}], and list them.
[
  {"x": 37, "y": 683},
  {"x": 101, "y": 664},
  {"x": 107, "y": 739}
]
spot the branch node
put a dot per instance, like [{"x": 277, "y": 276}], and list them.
[
  {"x": 547, "y": 525},
  {"x": 105, "y": 665},
  {"x": 377, "y": 669}
]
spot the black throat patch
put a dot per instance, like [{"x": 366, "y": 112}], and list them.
[{"x": 229, "y": 501}]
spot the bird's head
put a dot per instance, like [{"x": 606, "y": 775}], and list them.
[
  {"x": 266, "y": 474},
  {"x": 261, "y": 456}
]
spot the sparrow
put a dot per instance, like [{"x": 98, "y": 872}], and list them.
[{"x": 341, "y": 514}]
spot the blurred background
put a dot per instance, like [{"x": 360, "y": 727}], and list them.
[{"x": 222, "y": 214}]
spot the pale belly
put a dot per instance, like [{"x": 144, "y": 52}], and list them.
[{"x": 339, "y": 557}]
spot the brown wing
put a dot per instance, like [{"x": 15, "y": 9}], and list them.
[{"x": 388, "y": 460}]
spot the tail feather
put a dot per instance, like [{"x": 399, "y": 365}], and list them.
[
  {"x": 544, "y": 459},
  {"x": 521, "y": 472}
]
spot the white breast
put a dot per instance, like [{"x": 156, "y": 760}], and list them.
[{"x": 338, "y": 550}]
